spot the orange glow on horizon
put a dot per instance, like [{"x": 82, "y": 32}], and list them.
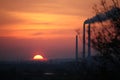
[{"x": 33, "y": 26}]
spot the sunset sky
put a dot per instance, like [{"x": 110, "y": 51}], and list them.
[{"x": 47, "y": 27}]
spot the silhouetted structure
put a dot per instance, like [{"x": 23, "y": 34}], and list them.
[
  {"x": 77, "y": 39},
  {"x": 98, "y": 18},
  {"x": 76, "y": 49},
  {"x": 84, "y": 41}
]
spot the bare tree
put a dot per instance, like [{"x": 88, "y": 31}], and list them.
[{"x": 106, "y": 33}]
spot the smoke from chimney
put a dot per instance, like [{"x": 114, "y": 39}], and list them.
[{"x": 111, "y": 14}]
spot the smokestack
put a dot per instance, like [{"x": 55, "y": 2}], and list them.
[
  {"x": 83, "y": 41},
  {"x": 89, "y": 42},
  {"x": 111, "y": 14},
  {"x": 76, "y": 48},
  {"x": 88, "y": 21}
]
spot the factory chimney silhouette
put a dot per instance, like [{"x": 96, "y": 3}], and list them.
[
  {"x": 111, "y": 14},
  {"x": 77, "y": 38}
]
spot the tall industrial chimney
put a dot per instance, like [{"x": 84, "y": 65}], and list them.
[
  {"x": 89, "y": 42},
  {"x": 76, "y": 54},
  {"x": 88, "y": 21},
  {"x": 83, "y": 41}
]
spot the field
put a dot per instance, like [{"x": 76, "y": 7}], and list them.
[{"x": 51, "y": 70}]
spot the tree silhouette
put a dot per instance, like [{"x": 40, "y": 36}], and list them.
[{"x": 105, "y": 36}]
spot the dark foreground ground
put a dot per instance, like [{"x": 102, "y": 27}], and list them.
[{"x": 35, "y": 70}]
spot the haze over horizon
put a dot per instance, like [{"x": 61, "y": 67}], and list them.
[{"x": 44, "y": 26}]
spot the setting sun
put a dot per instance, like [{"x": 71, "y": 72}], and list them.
[{"x": 39, "y": 57}]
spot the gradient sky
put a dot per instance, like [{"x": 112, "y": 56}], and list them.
[{"x": 44, "y": 26}]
